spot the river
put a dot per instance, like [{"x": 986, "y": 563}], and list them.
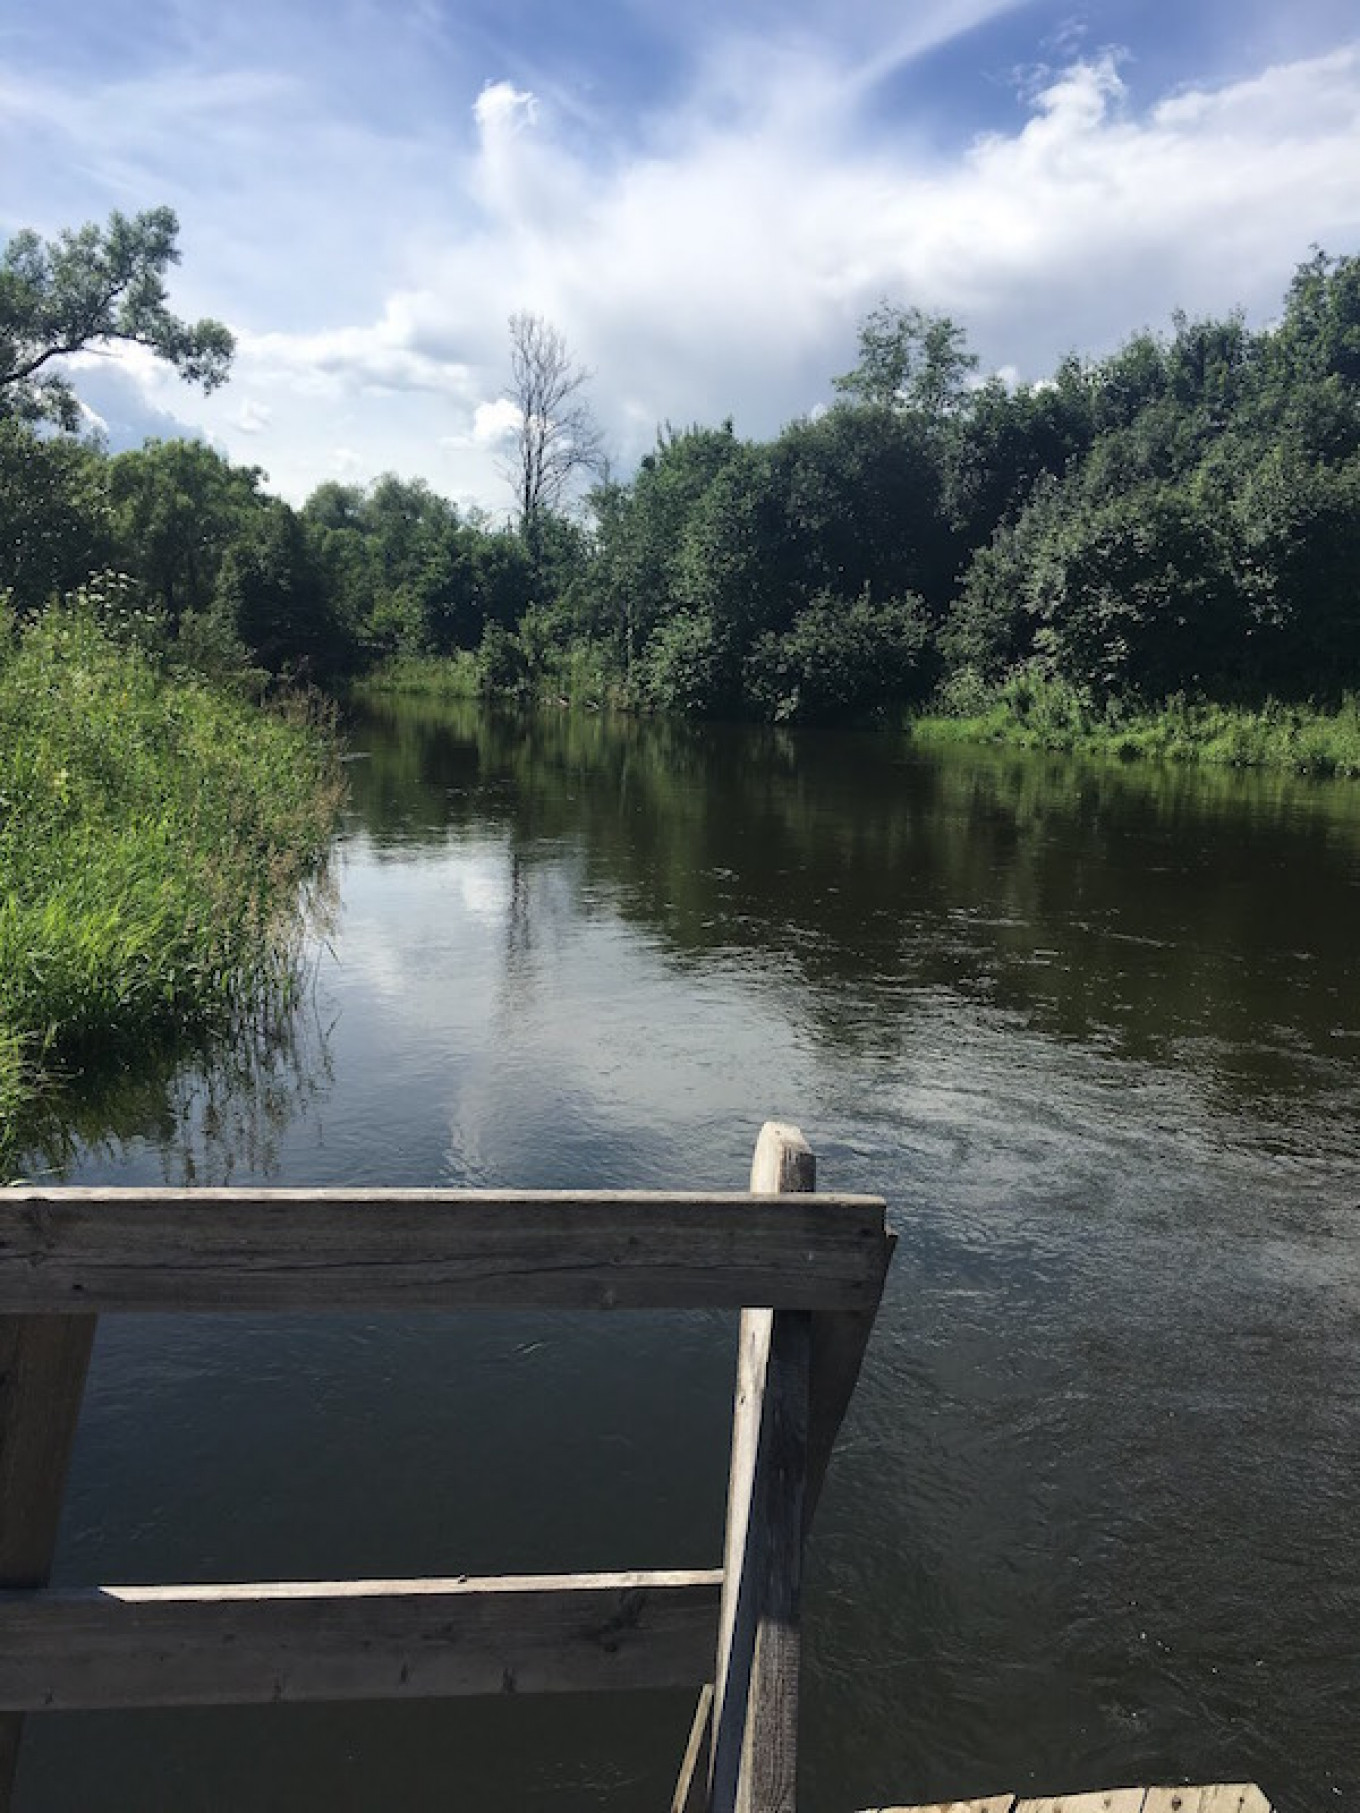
[{"x": 1095, "y": 1034}]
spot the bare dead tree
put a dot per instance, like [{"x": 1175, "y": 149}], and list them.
[{"x": 557, "y": 438}]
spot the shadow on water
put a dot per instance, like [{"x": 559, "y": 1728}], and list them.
[{"x": 1092, "y": 1030}]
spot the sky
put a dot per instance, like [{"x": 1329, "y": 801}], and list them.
[{"x": 704, "y": 199}]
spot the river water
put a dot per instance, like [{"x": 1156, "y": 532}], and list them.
[{"x": 1093, "y": 1032}]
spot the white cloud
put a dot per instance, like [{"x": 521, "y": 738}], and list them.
[
  {"x": 493, "y": 424},
  {"x": 713, "y": 259}
]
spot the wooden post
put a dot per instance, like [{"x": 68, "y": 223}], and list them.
[
  {"x": 43, "y": 1362},
  {"x": 691, "y": 1788},
  {"x": 755, "y": 1721}
]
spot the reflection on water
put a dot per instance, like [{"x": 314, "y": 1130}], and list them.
[{"x": 1091, "y": 1030}]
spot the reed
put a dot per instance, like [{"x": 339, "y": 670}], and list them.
[{"x": 155, "y": 836}]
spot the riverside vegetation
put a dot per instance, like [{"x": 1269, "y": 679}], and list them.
[
  {"x": 1150, "y": 554},
  {"x": 154, "y": 831}
]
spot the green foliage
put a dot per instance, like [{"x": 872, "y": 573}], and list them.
[
  {"x": 273, "y": 596},
  {"x": 1033, "y": 709},
  {"x": 153, "y": 833},
  {"x": 688, "y": 668},
  {"x": 842, "y": 661},
  {"x": 177, "y": 508},
  {"x": 910, "y": 360},
  {"x": 56, "y": 526},
  {"x": 91, "y": 288}
]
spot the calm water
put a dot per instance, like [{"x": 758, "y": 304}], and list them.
[{"x": 1096, "y": 1036}]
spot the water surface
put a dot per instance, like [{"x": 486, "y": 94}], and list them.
[{"x": 1093, "y": 1033}]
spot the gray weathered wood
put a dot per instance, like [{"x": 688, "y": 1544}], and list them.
[
  {"x": 43, "y": 1363},
  {"x": 754, "y": 1761},
  {"x": 179, "y": 1250},
  {"x": 691, "y": 1787},
  {"x": 737, "y": 1619},
  {"x": 122, "y": 1647},
  {"x": 839, "y": 1341},
  {"x": 1106, "y": 1800},
  {"x": 1232, "y": 1797},
  {"x": 995, "y": 1803},
  {"x": 769, "y": 1782}
]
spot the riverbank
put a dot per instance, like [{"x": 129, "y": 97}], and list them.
[
  {"x": 1031, "y": 713},
  {"x": 154, "y": 833},
  {"x": 1027, "y": 712}
]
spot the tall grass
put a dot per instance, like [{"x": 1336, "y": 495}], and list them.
[
  {"x": 1032, "y": 711},
  {"x": 456, "y": 676},
  {"x": 154, "y": 832}
]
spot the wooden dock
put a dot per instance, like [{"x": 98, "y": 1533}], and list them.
[
  {"x": 806, "y": 1270},
  {"x": 1225, "y": 1797}
]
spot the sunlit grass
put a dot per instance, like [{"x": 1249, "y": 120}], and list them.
[
  {"x": 456, "y": 676},
  {"x": 154, "y": 834},
  {"x": 1034, "y": 712}
]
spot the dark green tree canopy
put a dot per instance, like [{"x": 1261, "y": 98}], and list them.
[{"x": 93, "y": 288}]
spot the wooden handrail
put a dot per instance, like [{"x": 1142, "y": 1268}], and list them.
[
  {"x": 123, "y": 1647},
  {"x": 806, "y": 1271},
  {"x": 297, "y": 1250}
]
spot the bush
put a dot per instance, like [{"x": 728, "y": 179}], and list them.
[
  {"x": 687, "y": 667},
  {"x": 840, "y": 660}
]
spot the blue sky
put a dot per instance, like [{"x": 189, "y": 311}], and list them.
[{"x": 704, "y": 198}]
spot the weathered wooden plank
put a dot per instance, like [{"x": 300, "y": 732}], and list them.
[
  {"x": 122, "y": 1647},
  {"x": 737, "y": 1619},
  {"x": 996, "y": 1803},
  {"x": 1224, "y": 1797},
  {"x": 691, "y": 1787},
  {"x": 1105, "y": 1800},
  {"x": 839, "y": 1341},
  {"x": 754, "y": 1763},
  {"x": 429, "y": 1249},
  {"x": 1238, "y": 1797},
  {"x": 770, "y": 1762},
  {"x": 43, "y": 1363}
]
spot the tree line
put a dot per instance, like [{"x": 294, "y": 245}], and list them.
[{"x": 1181, "y": 517}]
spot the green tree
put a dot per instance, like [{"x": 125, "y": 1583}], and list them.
[
  {"x": 910, "y": 360},
  {"x": 55, "y": 522},
  {"x": 177, "y": 507},
  {"x": 273, "y": 595},
  {"x": 94, "y": 287}
]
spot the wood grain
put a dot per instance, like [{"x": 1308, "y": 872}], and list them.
[
  {"x": 43, "y": 1364},
  {"x": 755, "y": 1727},
  {"x": 691, "y": 1787},
  {"x": 123, "y": 1647},
  {"x": 176, "y": 1250}
]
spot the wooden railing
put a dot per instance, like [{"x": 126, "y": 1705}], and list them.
[{"x": 806, "y": 1271}]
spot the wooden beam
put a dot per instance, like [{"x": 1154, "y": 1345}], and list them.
[
  {"x": 1106, "y": 1800},
  {"x": 839, "y": 1341},
  {"x": 755, "y": 1728},
  {"x": 994, "y": 1803},
  {"x": 43, "y": 1363},
  {"x": 1233, "y": 1797},
  {"x": 121, "y": 1647},
  {"x": 1226, "y": 1797},
  {"x": 691, "y": 1788},
  {"x": 178, "y": 1250}
]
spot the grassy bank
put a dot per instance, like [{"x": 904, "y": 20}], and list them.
[
  {"x": 153, "y": 835},
  {"x": 1033, "y": 713},
  {"x": 456, "y": 676}
]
